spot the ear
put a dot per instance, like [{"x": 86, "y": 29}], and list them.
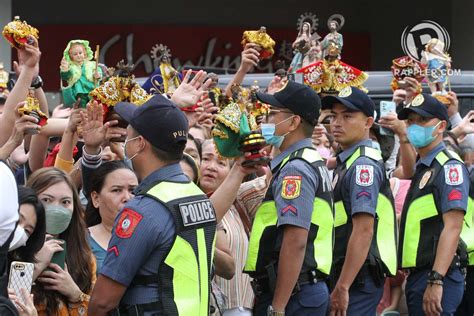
[
  {"x": 95, "y": 199},
  {"x": 143, "y": 143},
  {"x": 369, "y": 122},
  {"x": 444, "y": 126},
  {"x": 295, "y": 122}
]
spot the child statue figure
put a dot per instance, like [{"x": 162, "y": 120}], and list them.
[
  {"x": 80, "y": 73},
  {"x": 438, "y": 63}
]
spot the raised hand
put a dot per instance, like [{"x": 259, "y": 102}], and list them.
[
  {"x": 29, "y": 57},
  {"x": 75, "y": 118},
  {"x": 392, "y": 122},
  {"x": 276, "y": 84},
  {"x": 94, "y": 131},
  {"x": 190, "y": 92},
  {"x": 250, "y": 57},
  {"x": 453, "y": 106},
  {"x": 61, "y": 112},
  {"x": 465, "y": 127}
]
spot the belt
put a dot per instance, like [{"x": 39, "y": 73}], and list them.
[{"x": 261, "y": 285}]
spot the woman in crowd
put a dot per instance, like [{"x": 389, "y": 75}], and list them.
[
  {"x": 111, "y": 186},
  {"x": 213, "y": 171},
  {"x": 31, "y": 228},
  {"x": 62, "y": 291}
]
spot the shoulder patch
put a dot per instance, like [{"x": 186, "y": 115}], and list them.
[
  {"x": 364, "y": 175},
  {"x": 291, "y": 187},
  {"x": 453, "y": 174},
  {"x": 127, "y": 223},
  {"x": 197, "y": 212}
]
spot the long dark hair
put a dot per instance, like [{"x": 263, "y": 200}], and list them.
[
  {"x": 36, "y": 240},
  {"x": 79, "y": 255},
  {"x": 97, "y": 181}
]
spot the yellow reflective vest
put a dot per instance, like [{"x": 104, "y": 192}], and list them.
[{"x": 264, "y": 245}]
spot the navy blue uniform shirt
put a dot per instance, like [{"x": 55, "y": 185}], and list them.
[
  {"x": 294, "y": 188},
  {"x": 361, "y": 184},
  {"x": 452, "y": 183},
  {"x": 142, "y": 236}
]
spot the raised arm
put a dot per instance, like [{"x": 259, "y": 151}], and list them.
[{"x": 28, "y": 57}]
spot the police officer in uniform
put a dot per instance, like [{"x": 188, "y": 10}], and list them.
[
  {"x": 365, "y": 224},
  {"x": 159, "y": 257},
  {"x": 467, "y": 235},
  {"x": 290, "y": 247},
  {"x": 432, "y": 217}
]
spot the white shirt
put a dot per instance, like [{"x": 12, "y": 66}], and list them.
[{"x": 8, "y": 203}]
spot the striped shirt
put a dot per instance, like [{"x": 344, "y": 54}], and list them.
[{"x": 238, "y": 289}]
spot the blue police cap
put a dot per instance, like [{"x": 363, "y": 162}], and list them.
[
  {"x": 426, "y": 106},
  {"x": 298, "y": 98},
  {"x": 159, "y": 121},
  {"x": 352, "y": 98}
]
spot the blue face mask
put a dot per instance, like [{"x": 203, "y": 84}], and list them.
[
  {"x": 268, "y": 132},
  {"x": 126, "y": 160},
  {"x": 420, "y": 136}
]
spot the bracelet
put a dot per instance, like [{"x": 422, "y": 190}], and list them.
[
  {"x": 82, "y": 298},
  {"x": 435, "y": 282},
  {"x": 404, "y": 141}
]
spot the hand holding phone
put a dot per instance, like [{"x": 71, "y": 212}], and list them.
[
  {"x": 21, "y": 276},
  {"x": 386, "y": 107}
]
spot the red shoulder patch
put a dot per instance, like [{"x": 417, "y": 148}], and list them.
[
  {"x": 127, "y": 223},
  {"x": 454, "y": 195}
]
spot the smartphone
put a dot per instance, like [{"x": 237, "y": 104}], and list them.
[
  {"x": 60, "y": 257},
  {"x": 386, "y": 107},
  {"x": 21, "y": 276}
]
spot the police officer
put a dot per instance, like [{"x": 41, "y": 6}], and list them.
[
  {"x": 290, "y": 248},
  {"x": 365, "y": 225},
  {"x": 433, "y": 213},
  {"x": 467, "y": 235},
  {"x": 159, "y": 257}
]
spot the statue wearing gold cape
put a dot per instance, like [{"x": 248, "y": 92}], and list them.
[{"x": 331, "y": 75}]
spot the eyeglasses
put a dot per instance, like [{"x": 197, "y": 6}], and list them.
[{"x": 271, "y": 112}]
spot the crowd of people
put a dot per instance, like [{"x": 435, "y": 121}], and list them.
[{"x": 150, "y": 219}]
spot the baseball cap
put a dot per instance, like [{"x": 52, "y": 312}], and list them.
[
  {"x": 426, "y": 106},
  {"x": 159, "y": 121},
  {"x": 296, "y": 97},
  {"x": 352, "y": 98}
]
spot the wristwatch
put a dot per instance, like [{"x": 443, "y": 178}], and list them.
[
  {"x": 37, "y": 82},
  {"x": 435, "y": 276},
  {"x": 271, "y": 312}
]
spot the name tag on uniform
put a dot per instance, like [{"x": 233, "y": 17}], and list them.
[{"x": 197, "y": 212}]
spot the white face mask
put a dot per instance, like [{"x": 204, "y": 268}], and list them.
[{"x": 19, "y": 238}]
